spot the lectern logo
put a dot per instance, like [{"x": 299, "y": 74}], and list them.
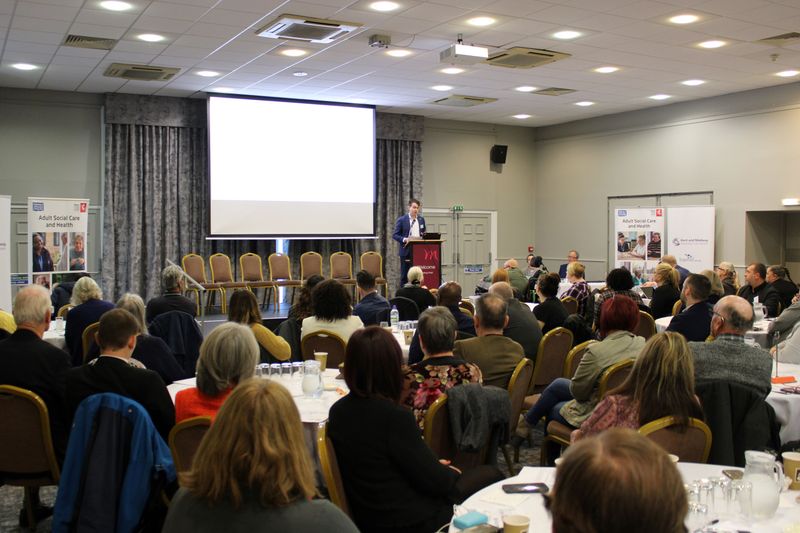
[{"x": 431, "y": 255}]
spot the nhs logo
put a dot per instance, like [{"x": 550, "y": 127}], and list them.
[
  {"x": 38, "y": 206},
  {"x": 622, "y": 212}
]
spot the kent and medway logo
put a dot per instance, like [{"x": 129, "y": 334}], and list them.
[
  {"x": 37, "y": 206},
  {"x": 676, "y": 242}
]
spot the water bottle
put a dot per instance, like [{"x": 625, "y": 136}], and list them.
[
  {"x": 394, "y": 318},
  {"x": 758, "y": 310}
]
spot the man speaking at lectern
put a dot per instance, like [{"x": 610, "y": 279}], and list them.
[{"x": 408, "y": 227}]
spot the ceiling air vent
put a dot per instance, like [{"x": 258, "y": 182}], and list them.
[
  {"x": 519, "y": 57},
  {"x": 306, "y": 29},
  {"x": 140, "y": 72},
  {"x": 459, "y": 100},
  {"x": 84, "y": 41},
  {"x": 781, "y": 40},
  {"x": 553, "y": 91}
]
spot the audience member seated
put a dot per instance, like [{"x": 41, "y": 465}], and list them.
[
  {"x": 440, "y": 370},
  {"x": 62, "y": 291},
  {"x": 499, "y": 274},
  {"x": 371, "y": 305},
  {"x": 618, "y": 282},
  {"x": 694, "y": 322},
  {"x": 413, "y": 290},
  {"x": 786, "y": 320},
  {"x": 660, "y": 384},
  {"x": 516, "y": 278},
  {"x": 717, "y": 290},
  {"x": 331, "y": 303},
  {"x": 114, "y": 372},
  {"x": 522, "y": 326},
  {"x": 757, "y": 286},
  {"x": 728, "y": 358},
  {"x": 620, "y": 465},
  {"x": 228, "y": 357},
  {"x": 253, "y": 472},
  {"x": 89, "y": 307},
  {"x": 303, "y": 307},
  {"x": 550, "y": 312},
  {"x": 497, "y": 356},
  {"x": 579, "y": 289},
  {"x": 729, "y": 277},
  {"x": 449, "y": 296},
  {"x": 243, "y": 309},
  {"x": 7, "y": 324},
  {"x": 570, "y": 402},
  {"x": 393, "y": 481},
  {"x": 667, "y": 292},
  {"x": 172, "y": 299},
  {"x": 779, "y": 279},
  {"x": 28, "y": 362},
  {"x": 682, "y": 272},
  {"x": 572, "y": 256},
  {"x": 536, "y": 270}
]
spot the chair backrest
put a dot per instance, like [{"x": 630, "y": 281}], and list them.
[
  {"x": 182, "y": 334},
  {"x": 341, "y": 265},
  {"x": 195, "y": 267},
  {"x": 553, "y": 350},
  {"x": 372, "y": 262},
  {"x": 184, "y": 439},
  {"x": 574, "y": 358},
  {"x": 324, "y": 341},
  {"x": 87, "y": 338},
  {"x": 570, "y": 304},
  {"x": 691, "y": 444},
  {"x": 466, "y": 311},
  {"x": 467, "y": 304},
  {"x": 62, "y": 312},
  {"x": 279, "y": 267},
  {"x": 647, "y": 326},
  {"x": 676, "y": 307},
  {"x": 437, "y": 433},
  {"x": 250, "y": 267},
  {"x": 518, "y": 389},
  {"x": 26, "y": 445},
  {"x": 330, "y": 470},
  {"x": 310, "y": 265},
  {"x": 220, "y": 268},
  {"x": 406, "y": 307},
  {"x": 613, "y": 376}
]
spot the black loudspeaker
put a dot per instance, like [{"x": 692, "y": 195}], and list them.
[{"x": 498, "y": 153}]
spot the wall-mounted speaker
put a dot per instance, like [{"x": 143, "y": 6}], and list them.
[{"x": 498, "y": 153}]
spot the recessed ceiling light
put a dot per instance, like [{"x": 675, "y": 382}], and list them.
[
  {"x": 525, "y": 89},
  {"x": 606, "y": 70},
  {"x": 790, "y": 201},
  {"x": 151, "y": 37},
  {"x": 115, "y": 5},
  {"x": 442, "y": 87},
  {"x": 293, "y": 52},
  {"x": 300, "y": 74},
  {"x": 207, "y": 73},
  {"x": 521, "y": 116},
  {"x": 384, "y": 6},
  {"x": 584, "y": 103},
  {"x": 452, "y": 70},
  {"x": 24, "y": 66},
  {"x": 481, "y": 21},
  {"x": 659, "y": 97},
  {"x": 787, "y": 73},
  {"x": 711, "y": 44},
  {"x": 684, "y": 19},
  {"x": 567, "y": 34},
  {"x": 398, "y": 52},
  {"x": 693, "y": 83}
]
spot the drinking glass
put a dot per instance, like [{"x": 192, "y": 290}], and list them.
[
  {"x": 286, "y": 370},
  {"x": 275, "y": 370}
]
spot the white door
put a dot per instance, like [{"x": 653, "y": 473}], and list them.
[{"x": 467, "y": 246}]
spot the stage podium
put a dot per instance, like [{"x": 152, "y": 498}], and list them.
[{"x": 427, "y": 254}]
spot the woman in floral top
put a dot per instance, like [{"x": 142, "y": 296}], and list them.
[{"x": 429, "y": 379}]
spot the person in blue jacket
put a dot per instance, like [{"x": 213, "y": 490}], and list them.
[{"x": 408, "y": 227}]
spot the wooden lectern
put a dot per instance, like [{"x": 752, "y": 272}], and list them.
[{"x": 427, "y": 254}]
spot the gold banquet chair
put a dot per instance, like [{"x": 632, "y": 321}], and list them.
[
  {"x": 222, "y": 274},
  {"x": 372, "y": 262},
  {"x": 342, "y": 269},
  {"x": 691, "y": 444},
  {"x": 253, "y": 275},
  {"x": 310, "y": 265},
  {"x": 195, "y": 266},
  {"x": 324, "y": 341},
  {"x": 330, "y": 470},
  {"x": 184, "y": 440},
  {"x": 280, "y": 273}
]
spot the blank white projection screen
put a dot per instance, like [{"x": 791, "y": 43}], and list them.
[{"x": 283, "y": 168}]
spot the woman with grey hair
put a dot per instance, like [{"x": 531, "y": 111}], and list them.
[
  {"x": 414, "y": 290},
  {"x": 89, "y": 307},
  {"x": 730, "y": 279},
  {"x": 228, "y": 356}
]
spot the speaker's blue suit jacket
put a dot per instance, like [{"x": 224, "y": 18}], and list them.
[{"x": 401, "y": 230}]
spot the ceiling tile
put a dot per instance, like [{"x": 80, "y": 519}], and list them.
[
  {"x": 35, "y": 24},
  {"x": 43, "y": 11}
]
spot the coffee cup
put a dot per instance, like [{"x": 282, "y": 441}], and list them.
[
  {"x": 408, "y": 334},
  {"x": 322, "y": 357},
  {"x": 516, "y": 523},
  {"x": 791, "y": 468}
]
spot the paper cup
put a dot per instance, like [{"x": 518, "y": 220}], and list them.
[
  {"x": 674, "y": 458},
  {"x": 559, "y": 460},
  {"x": 516, "y": 523},
  {"x": 322, "y": 357},
  {"x": 791, "y": 468}
]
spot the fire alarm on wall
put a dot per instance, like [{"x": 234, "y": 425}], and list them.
[{"x": 530, "y": 248}]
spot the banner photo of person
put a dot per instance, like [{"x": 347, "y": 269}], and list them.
[
  {"x": 58, "y": 230},
  {"x": 639, "y": 248},
  {"x": 690, "y": 232}
]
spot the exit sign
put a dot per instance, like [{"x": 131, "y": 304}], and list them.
[{"x": 457, "y": 208}]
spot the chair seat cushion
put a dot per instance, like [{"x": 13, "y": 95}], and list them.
[
  {"x": 233, "y": 284},
  {"x": 559, "y": 431},
  {"x": 530, "y": 401},
  {"x": 210, "y": 285},
  {"x": 288, "y": 283}
]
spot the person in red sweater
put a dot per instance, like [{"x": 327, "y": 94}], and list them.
[{"x": 228, "y": 356}]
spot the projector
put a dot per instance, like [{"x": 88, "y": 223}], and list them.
[{"x": 462, "y": 54}]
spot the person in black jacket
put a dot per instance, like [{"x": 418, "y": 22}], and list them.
[
  {"x": 550, "y": 312},
  {"x": 694, "y": 322},
  {"x": 756, "y": 286},
  {"x": 393, "y": 481},
  {"x": 667, "y": 292},
  {"x": 413, "y": 290},
  {"x": 779, "y": 279}
]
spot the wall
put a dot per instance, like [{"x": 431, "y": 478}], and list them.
[
  {"x": 457, "y": 171},
  {"x": 743, "y": 147}
]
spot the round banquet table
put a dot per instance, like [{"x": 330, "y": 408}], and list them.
[
  {"x": 495, "y": 503},
  {"x": 759, "y": 333}
]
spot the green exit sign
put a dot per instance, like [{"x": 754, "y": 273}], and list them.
[{"x": 457, "y": 208}]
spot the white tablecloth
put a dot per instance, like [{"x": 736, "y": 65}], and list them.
[
  {"x": 787, "y": 406},
  {"x": 55, "y": 337},
  {"x": 399, "y": 336},
  {"x": 495, "y": 503}
]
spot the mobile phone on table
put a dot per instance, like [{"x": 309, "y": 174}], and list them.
[
  {"x": 733, "y": 474},
  {"x": 525, "y": 488}
]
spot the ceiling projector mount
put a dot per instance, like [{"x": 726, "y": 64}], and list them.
[{"x": 463, "y": 54}]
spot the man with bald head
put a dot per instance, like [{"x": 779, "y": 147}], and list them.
[
  {"x": 449, "y": 296},
  {"x": 728, "y": 358},
  {"x": 522, "y": 326},
  {"x": 516, "y": 277}
]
